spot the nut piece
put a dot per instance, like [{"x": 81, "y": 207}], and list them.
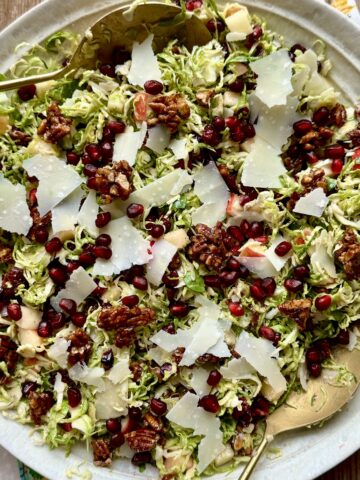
[
  {"x": 338, "y": 115},
  {"x": 113, "y": 318},
  {"x": 298, "y": 310},
  {"x": 314, "y": 179},
  {"x": 55, "y": 126},
  {"x": 102, "y": 453},
  {"x": 169, "y": 110},
  {"x": 153, "y": 422},
  {"x": 203, "y": 98},
  {"x": 39, "y": 223},
  {"x": 20, "y": 138},
  {"x": 349, "y": 255},
  {"x": 39, "y": 404},
  {"x": 8, "y": 355},
  {"x": 142, "y": 440},
  {"x": 354, "y": 136},
  {"x": 12, "y": 279},
  {"x": 114, "y": 181},
  {"x": 80, "y": 346},
  {"x": 6, "y": 254}
]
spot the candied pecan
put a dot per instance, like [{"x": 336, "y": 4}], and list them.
[
  {"x": 8, "y": 353},
  {"x": 125, "y": 337},
  {"x": 39, "y": 404},
  {"x": 55, "y": 126},
  {"x": 80, "y": 346},
  {"x": 298, "y": 310},
  {"x": 309, "y": 140},
  {"x": 20, "y": 138},
  {"x": 142, "y": 440},
  {"x": 113, "y": 318},
  {"x": 314, "y": 179},
  {"x": 38, "y": 222},
  {"x": 338, "y": 115},
  {"x": 229, "y": 178},
  {"x": 354, "y": 136},
  {"x": 136, "y": 370},
  {"x": 203, "y": 98},
  {"x": 293, "y": 164},
  {"x": 6, "y": 254},
  {"x": 101, "y": 452},
  {"x": 349, "y": 255},
  {"x": 153, "y": 422},
  {"x": 207, "y": 358},
  {"x": 12, "y": 279},
  {"x": 169, "y": 110},
  {"x": 178, "y": 354},
  {"x": 113, "y": 181}
]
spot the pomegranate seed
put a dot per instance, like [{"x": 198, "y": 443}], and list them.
[
  {"x": 218, "y": 123},
  {"x": 56, "y": 319},
  {"x": 158, "y": 407},
  {"x": 134, "y": 210},
  {"x": 113, "y": 425},
  {"x": 237, "y": 86},
  {"x": 249, "y": 130},
  {"x": 257, "y": 293},
  {"x": 78, "y": 319},
  {"x": 44, "y": 329},
  {"x": 98, "y": 291},
  {"x": 94, "y": 152},
  {"x": 170, "y": 328},
  {"x": 214, "y": 378},
  {"x": 103, "y": 240},
  {"x": 228, "y": 278},
  {"x": 68, "y": 305},
  {"x": 107, "y": 150},
  {"x": 236, "y": 309},
  {"x": 267, "y": 332},
  {"x": 253, "y": 37},
  {"x": 323, "y": 346},
  {"x": 41, "y": 235},
  {"x": 238, "y": 134},
  {"x": 67, "y": 427},
  {"x": 283, "y": 249},
  {"x": 153, "y": 87},
  {"x": 210, "y": 136},
  {"x": 14, "y": 311},
  {"x": 179, "y": 310},
  {"x": 334, "y": 151},
  {"x": 321, "y": 116},
  {"x": 269, "y": 286},
  {"x": 314, "y": 369},
  {"x": 193, "y": 5},
  {"x": 256, "y": 230},
  {"x": 28, "y": 387},
  {"x": 27, "y": 92},
  {"x": 313, "y": 356},
  {"x": 157, "y": 231},
  {"x": 234, "y": 265},
  {"x": 236, "y": 233},
  {"x": 74, "y": 397},
  {"x": 108, "y": 70},
  {"x": 90, "y": 170},
  {"x": 244, "y": 228},
  {"x": 102, "y": 252},
  {"x": 209, "y": 403},
  {"x": 302, "y": 127},
  {"x": 243, "y": 272},
  {"x": 293, "y": 285},
  {"x": 260, "y": 407},
  {"x": 107, "y": 359},
  {"x": 323, "y": 303},
  {"x": 212, "y": 281},
  {"x": 116, "y": 127},
  {"x": 343, "y": 338},
  {"x": 108, "y": 136},
  {"x": 311, "y": 158},
  {"x": 58, "y": 275},
  {"x": 130, "y": 300},
  {"x": 135, "y": 414},
  {"x": 86, "y": 160},
  {"x": 72, "y": 158},
  {"x": 87, "y": 259},
  {"x": 140, "y": 282},
  {"x": 72, "y": 266},
  {"x": 337, "y": 166},
  {"x": 301, "y": 272},
  {"x": 215, "y": 25},
  {"x": 140, "y": 458},
  {"x": 171, "y": 279},
  {"x": 102, "y": 219},
  {"x": 54, "y": 245},
  {"x": 32, "y": 198}
]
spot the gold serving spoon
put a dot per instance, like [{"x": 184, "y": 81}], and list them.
[
  {"x": 122, "y": 27},
  {"x": 304, "y": 409}
]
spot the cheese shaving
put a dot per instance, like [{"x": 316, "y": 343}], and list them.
[{"x": 14, "y": 211}]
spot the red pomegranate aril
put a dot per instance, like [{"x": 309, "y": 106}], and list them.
[
  {"x": 302, "y": 127},
  {"x": 192, "y": 5},
  {"x": 236, "y": 233},
  {"x": 214, "y": 378},
  {"x": 54, "y": 245},
  {"x": 72, "y": 158},
  {"x": 343, "y": 338},
  {"x": 28, "y": 387},
  {"x": 179, "y": 310},
  {"x": 102, "y": 252},
  {"x": 249, "y": 130},
  {"x": 33, "y": 198},
  {"x": 253, "y": 37},
  {"x": 57, "y": 320},
  {"x": 233, "y": 265},
  {"x": 323, "y": 303},
  {"x": 218, "y": 123},
  {"x": 102, "y": 219},
  {"x": 212, "y": 281},
  {"x": 228, "y": 278},
  {"x": 337, "y": 166},
  {"x": 321, "y": 116},
  {"x": 117, "y": 440},
  {"x": 158, "y": 407},
  {"x": 27, "y": 92},
  {"x": 86, "y": 160},
  {"x": 260, "y": 407},
  {"x": 103, "y": 240},
  {"x": 90, "y": 170},
  {"x": 78, "y": 319},
  {"x": 293, "y": 285},
  {"x": 140, "y": 458},
  {"x": 41, "y": 235},
  {"x": 98, "y": 291},
  {"x": 107, "y": 150},
  {"x": 170, "y": 328},
  {"x": 243, "y": 272},
  {"x": 113, "y": 425},
  {"x": 116, "y": 127},
  {"x": 313, "y": 356},
  {"x": 267, "y": 332},
  {"x": 269, "y": 286},
  {"x": 210, "y": 136},
  {"x": 301, "y": 272},
  {"x": 257, "y": 293},
  {"x": 94, "y": 152},
  {"x": 237, "y": 86},
  {"x": 215, "y": 25},
  {"x": 72, "y": 266},
  {"x": 236, "y": 309},
  {"x": 58, "y": 275},
  {"x": 283, "y": 249},
  {"x": 67, "y": 427},
  {"x": 171, "y": 279},
  {"x": 256, "y": 230},
  {"x": 74, "y": 397},
  {"x": 108, "y": 135},
  {"x": 140, "y": 282},
  {"x": 153, "y": 87},
  {"x": 14, "y": 311},
  {"x": 244, "y": 228},
  {"x": 130, "y": 301},
  {"x": 334, "y": 151},
  {"x": 135, "y": 210},
  {"x": 44, "y": 329},
  {"x": 238, "y": 134},
  {"x": 68, "y": 305},
  {"x": 311, "y": 158},
  {"x": 314, "y": 370},
  {"x": 157, "y": 231},
  {"x": 135, "y": 414},
  {"x": 209, "y": 403},
  {"x": 107, "y": 359},
  {"x": 87, "y": 259},
  {"x": 108, "y": 70}
]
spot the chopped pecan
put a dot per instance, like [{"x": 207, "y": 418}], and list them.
[
  {"x": 338, "y": 115},
  {"x": 354, "y": 136},
  {"x": 39, "y": 404},
  {"x": 113, "y": 318},
  {"x": 125, "y": 337},
  {"x": 55, "y": 126},
  {"x": 349, "y": 255},
  {"x": 153, "y": 422},
  {"x": 6, "y": 254},
  {"x": 8, "y": 353},
  {"x": 314, "y": 179},
  {"x": 298, "y": 310},
  {"x": 20, "y": 138},
  {"x": 203, "y": 98},
  {"x": 169, "y": 110},
  {"x": 142, "y": 440},
  {"x": 101, "y": 452},
  {"x": 293, "y": 164},
  {"x": 12, "y": 279},
  {"x": 178, "y": 354},
  {"x": 136, "y": 370},
  {"x": 113, "y": 181},
  {"x": 80, "y": 346},
  {"x": 207, "y": 358},
  {"x": 38, "y": 222}
]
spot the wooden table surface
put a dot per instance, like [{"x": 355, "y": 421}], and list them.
[{"x": 348, "y": 470}]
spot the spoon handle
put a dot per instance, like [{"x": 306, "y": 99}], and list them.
[
  {"x": 252, "y": 464},
  {"x": 22, "y": 82}
]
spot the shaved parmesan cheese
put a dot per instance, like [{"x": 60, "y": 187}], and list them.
[
  {"x": 56, "y": 180},
  {"x": 240, "y": 22},
  {"x": 259, "y": 266},
  {"x": 263, "y": 166},
  {"x": 14, "y": 211},
  {"x": 308, "y": 58},
  {"x": 235, "y": 37},
  {"x": 65, "y": 215},
  {"x": 30, "y": 318},
  {"x": 257, "y": 352},
  {"x": 161, "y": 190},
  {"x": 209, "y": 448},
  {"x": 236, "y": 369},
  {"x": 58, "y": 351},
  {"x": 352, "y": 341},
  {"x": 159, "y": 355},
  {"x": 80, "y": 372},
  {"x": 158, "y": 139},
  {"x": 120, "y": 371},
  {"x": 274, "y": 78},
  {"x": 312, "y": 204},
  {"x": 198, "y": 381},
  {"x": 277, "y": 262},
  {"x": 127, "y": 144},
  {"x": 220, "y": 349},
  {"x": 112, "y": 402},
  {"x": 144, "y": 65},
  {"x": 179, "y": 148},
  {"x": 183, "y": 412},
  {"x": 163, "y": 252},
  {"x": 128, "y": 248},
  {"x": 179, "y": 238},
  {"x": 59, "y": 388},
  {"x": 77, "y": 288},
  {"x": 88, "y": 213}
]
